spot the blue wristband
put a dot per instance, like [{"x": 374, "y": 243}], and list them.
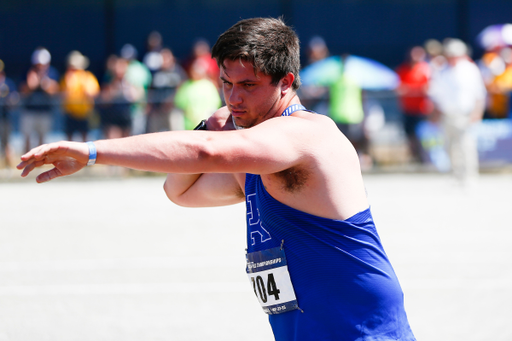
[{"x": 92, "y": 153}]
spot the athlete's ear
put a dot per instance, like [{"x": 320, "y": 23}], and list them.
[{"x": 286, "y": 83}]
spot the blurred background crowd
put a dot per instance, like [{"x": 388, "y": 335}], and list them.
[
  {"x": 135, "y": 94},
  {"x": 441, "y": 108}
]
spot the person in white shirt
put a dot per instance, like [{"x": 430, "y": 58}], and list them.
[{"x": 458, "y": 93}]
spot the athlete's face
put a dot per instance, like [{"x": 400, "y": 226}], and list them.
[{"x": 251, "y": 98}]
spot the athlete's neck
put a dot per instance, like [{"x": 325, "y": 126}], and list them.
[{"x": 294, "y": 99}]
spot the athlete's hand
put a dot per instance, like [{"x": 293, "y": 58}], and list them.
[
  {"x": 220, "y": 120},
  {"x": 66, "y": 157}
]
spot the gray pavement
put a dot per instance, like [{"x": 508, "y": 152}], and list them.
[{"x": 112, "y": 259}]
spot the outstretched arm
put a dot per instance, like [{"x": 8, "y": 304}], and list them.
[
  {"x": 169, "y": 152},
  {"x": 208, "y": 189},
  {"x": 66, "y": 157},
  {"x": 269, "y": 147}
]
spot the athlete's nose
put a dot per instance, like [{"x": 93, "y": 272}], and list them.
[{"x": 235, "y": 97}]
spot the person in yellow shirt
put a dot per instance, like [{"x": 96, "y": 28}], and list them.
[
  {"x": 79, "y": 88},
  {"x": 503, "y": 82},
  {"x": 497, "y": 72}
]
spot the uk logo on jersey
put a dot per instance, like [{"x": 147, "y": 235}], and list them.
[{"x": 258, "y": 233}]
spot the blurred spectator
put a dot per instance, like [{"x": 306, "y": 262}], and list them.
[
  {"x": 197, "y": 97},
  {"x": 116, "y": 98},
  {"x": 201, "y": 51},
  {"x": 138, "y": 75},
  {"x": 153, "y": 59},
  {"x": 491, "y": 65},
  {"x": 435, "y": 57},
  {"x": 496, "y": 68},
  {"x": 458, "y": 93},
  {"x": 315, "y": 97},
  {"x": 317, "y": 49},
  {"x": 38, "y": 90},
  {"x": 433, "y": 48},
  {"x": 414, "y": 79},
  {"x": 161, "y": 95},
  {"x": 110, "y": 64},
  {"x": 346, "y": 109},
  {"x": 8, "y": 99},
  {"x": 504, "y": 80},
  {"x": 79, "y": 88}
]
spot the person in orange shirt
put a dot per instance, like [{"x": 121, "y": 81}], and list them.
[
  {"x": 414, "y": 78},
  {"x": 79, "y": 88}
]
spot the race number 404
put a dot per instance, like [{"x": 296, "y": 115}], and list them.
[{"x": 268, "y": 273}]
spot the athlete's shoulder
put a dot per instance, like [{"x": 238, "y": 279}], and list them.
[
  {"x": 298, "y": 120},
  {"x": 315, "y": 118}
]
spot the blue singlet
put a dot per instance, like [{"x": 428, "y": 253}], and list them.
[{"x": 345, "y": 286}]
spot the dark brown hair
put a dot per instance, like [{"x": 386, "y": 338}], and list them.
[{"x": 268, "y": 44}]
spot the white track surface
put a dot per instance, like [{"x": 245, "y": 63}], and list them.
[{"x": 94, "y": 259}]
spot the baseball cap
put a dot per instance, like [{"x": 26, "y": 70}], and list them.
[
  {"x": 77, "y": 60},
  {"x": 455, "y": 48},
  {"x": 41, "y": 56}
]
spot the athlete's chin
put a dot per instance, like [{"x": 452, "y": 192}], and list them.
[
  {"x": 241, "y": 123},
  {"x": 242, "y": 118}
]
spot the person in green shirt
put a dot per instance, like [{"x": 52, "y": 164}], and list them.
[
  {"x": 197, "y": 97},
  {"x": 346, "y": 110}
]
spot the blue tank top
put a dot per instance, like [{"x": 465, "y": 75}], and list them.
[{"x": 345, "y": 286}]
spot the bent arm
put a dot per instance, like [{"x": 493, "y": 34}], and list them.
[
  {"x": 203, "y": 190},
  {"x": 212, "y": 189}
]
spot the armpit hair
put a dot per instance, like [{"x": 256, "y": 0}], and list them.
[
  {"x": 239, "y": 192},
  {"x": 293, "y": 179}
]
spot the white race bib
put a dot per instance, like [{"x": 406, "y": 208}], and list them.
[{"x": 268, "y": 273}]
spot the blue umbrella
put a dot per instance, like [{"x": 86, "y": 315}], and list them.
[{"x": 367, "y": 73}]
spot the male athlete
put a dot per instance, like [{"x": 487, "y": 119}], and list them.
[{"x": 314, "y": 258}]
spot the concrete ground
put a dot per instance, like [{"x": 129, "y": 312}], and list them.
[{"x": 112, "y": 259}]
